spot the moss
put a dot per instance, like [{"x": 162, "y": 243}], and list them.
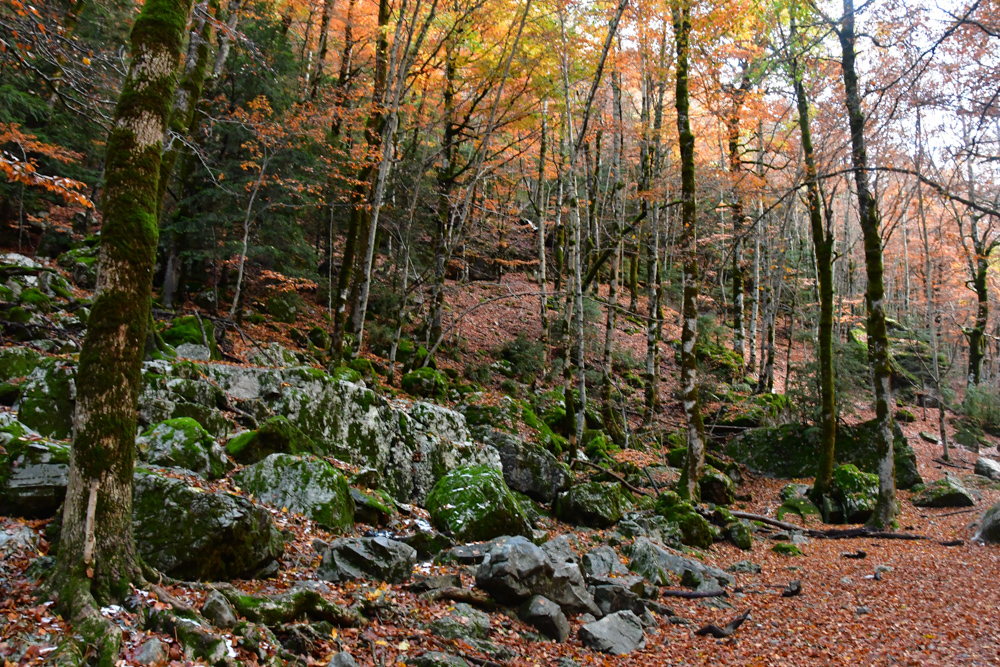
[
  {"x": 276, "y": 435},
  {"x": 716, "y": 487},
  {"x": 474, "y": 504},
  {"x": 803, "y": 507},
  {"x": 695, "y": 529},
  {"x": 786, "y": 549},
  {"x": 425, "y": 383},
  {"x": 363, "y": 367},
  {"x": 186, "y": 330},
  {"x": 33, "y": 299},
  {"x": 549, "y": 438},
  {"x": 284, "y": 307},
  {"x": 945, "y": 492},
  {"x": 16, "y": 362},
  {"x": 598, "y": 446},
  {"x": 47, "y": 402},
  {"x": 19, "y": 314},
  {"x": 739, "y": 534},
  {"x": 594, "y": 504},
  {"x": 854, "y": 494},
  {"x": 345, "y": 374}
]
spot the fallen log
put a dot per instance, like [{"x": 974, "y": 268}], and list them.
[
  {"x": 832, "y": 533},
  {"x": 465, "y": 595},
  {"x": 722, "y": 633},
  {"x": 616, "y": 476},
  {"x": 694, "y": 595}
]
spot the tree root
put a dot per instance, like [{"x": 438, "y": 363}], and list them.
[
  {"x": 289, "y": 607},
  {"x": 832, "y": 533},
  {"x": 454, "y": 594},
  {"x": 98, "y": 633},
  {"x": 722, "y": 633}
]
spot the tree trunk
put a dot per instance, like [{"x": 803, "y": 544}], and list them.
[
  {"x": 823, "y": 252},
  {"x": 97, "y": 558},
  {"x": 681, "y": 13},
  {"x": 540, "y": 206},
  {"x": 878, "y": 339},
  {"x": 977, "y": 334}
]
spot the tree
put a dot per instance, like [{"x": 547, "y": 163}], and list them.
[{"x": 97, "y": 557}]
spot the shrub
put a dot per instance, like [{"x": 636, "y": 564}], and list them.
[
  {"x": 526, "y": 356},
  {"x": 982, "y": 404}
]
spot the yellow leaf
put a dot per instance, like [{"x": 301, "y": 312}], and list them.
[
  {"x": 404, "y": 645},
  {"x": 333, "y": 633},
  {"x": 382, "y": 642},
  {"x": 86, "y": 61}
]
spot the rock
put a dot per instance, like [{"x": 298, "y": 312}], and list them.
[
  {"x": 33, "y": 472},
  {"x": 514, "y": 570},
  {"x": 16, "y": 537},
  {"x": 602, "y": 562},
  {"x": 373, "y": 558},
  {"x": 988, "y": 468},
  {"x": 474, "y": 504},
  {"x": 374, "y": 508},
  {"x": 436, "y": 659},
  {"x": 151, "y": 652},
  {"x": 853, "y": 493},
  {"x": 656, "y": 527},
  {"x": 613, "y": 595},
  {"x": 594, "y": 504},
  {"x": 188, "y": 334},
  {"x": 529, "y": 468},
  {"x": 569, "y": 590},
  {"x": 745, "y": 567},
  {"x": 304, "y": 485},
  {"x": 560, "y": 550},
  {"x": 740, "y": 534},
  {"x": 218, "y": 610},
  {"x": 800, "y": 506},
  {"x": 786, "y": 549},
  {"x": 48, "y": 399},
  {"x": 945, "y": 492},
  {"x": 989, "y": 526},
  {"x": 188, "y": 533},
  {"x": 546, "y": 617},
  {"x": 469, "y": 554},
  {"x": 342, "y": 659},
  {"x": 929, "y": 437},
  {"x": 792, "y": 451},
  {"x": 462, "y": 622},
  {"x": 18, "y": 362},
  {"x": 275, "y": 436},
  {"x": 192, "y": 351},
  {"x": 619, "y": 633},
  {"x": 656, "y": 563},
  {"x": 185, "y": 444},
  {"x": 425, "y": 383},
  {"x": 716, "y": 487},
  {"x": 424, "y": 583},
  {"x": 695, "y": 530}
]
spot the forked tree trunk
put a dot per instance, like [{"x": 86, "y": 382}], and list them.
[
  {"x": 97, "y": 557},
  {"x": 878, "y": 339},
  {"x": 681, "y": 11}
]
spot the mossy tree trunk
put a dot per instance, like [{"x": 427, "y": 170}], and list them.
[
  {"x": 695, "y": 461},
  {"x": 823, "y": 248},
  {"x": 868, "y": 217},
  {"x": 97, "y": 556}
]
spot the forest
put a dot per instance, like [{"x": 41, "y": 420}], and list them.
[{"x": 489, "y": 333}]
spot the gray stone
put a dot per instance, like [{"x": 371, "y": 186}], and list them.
[
  {"x": 618, "y": 634},
  {"x": 989, "y": 526},
  {"x": 745, "y": 567},
  {"x": 514, "y": 570},
  {"x": 194, "y": 352},
  {"x": 474, "y": 504},
  {"x": 462, "y": 622},
  {"x": 593, "y": 504},
  {"x": 304, "y": 485},
  {"x": 183, "y": 443},
  {"x": 188, "y": 533},
  {"x": 33, "y": 472},
  {"x": 569, "y": 591},
  {"x": 436, "y": 659},
  {"x": 560, "y": 550},
  {"x": 602, "y": 562},
  {"x": 546, "y": 617},
  {"x": 616, "y": 597},
  {"x": 218, "y": 610},
  {"x": 945, "y": 492},
  {"x": 656, "y": 563},
  {"x": 342, "y": 659},
  {"x": 988, "y": 468},
  {"x": 151, "y": 652},
  {"x": 422, "y": 583},
  {"x": 530, "y": 468},
  {"x": 373, "y": 558}
]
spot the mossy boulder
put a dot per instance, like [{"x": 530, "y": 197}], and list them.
[
  {"x": 186, "y": 330},
  {"x": 854, "y": 494},
  {"x": 792, "y": 451},
  {"x": 425, "y": 383},
  {"x": 304, "y": 485},
  {"x": 695, "y": 529},
  {"x": 474, "y": 504},
  {"x": 740, "y": 534},
  {"x": 345, "y": 374},
  {"x": 786, "y": 549},
  {"x": 800, "y": 506},
  {"x": 716, "y": 487},
  {"x": 183, "y": 443},
  {"x": 319, "y": 338},
  {"x": 598, "y": 445},
  {"x": 594, "y": 504},
  {"x": 33, "y": 472},
  {"x": 989, "y": 526},
  {"x": 17, "y": 362},
  {"x": 34, "y": 300},
  {"x": 48, "y": 399},
  {"x": 547, "y": 436},
  {"x": 188, "y": 533},
  {"x": 275, "y": 436},
  {"x": 529, "y": 468},
  {"x": 945, "y": 492},
  {"x": 284, "y": 307}
]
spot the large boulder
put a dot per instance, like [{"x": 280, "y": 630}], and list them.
[
  {"x": 716, "y": 487},
  {"x": 945, "y": 492},
  {"x": 792, "y": 451},
  {"x": 656, "y": 563},
  {"x": 33, "y": 472},
  {"x": 372, "y": 558},
  {"x": 989, "y": 526},
  {"x": 853, "y": 495},
  {"x": 546, "y": 617},
  {"x": 475, "y": 505},
  {"x": 185, "y": 444},
  {"x": 602, "y": 562},
  {"x": 48, "y": 398},
  {"x": 530, "y": 469},
  {"x": 462, "y": 622},
  {"x": 594, "y": 504},
  {"x": 304, "y": 485},
  {"x": 275, "y": 436},
  {"x": 189, "y": 533},
  {"x": 695, "y": 529},
  {"x": 569, "y": 590},
  {"x": 17, "y": 362},
  {"x": 988, "y": 468},
  {"x": 619, "y": 633},
  {"x": 514, "y": 570},
  {"x": 425, "y": 383}
]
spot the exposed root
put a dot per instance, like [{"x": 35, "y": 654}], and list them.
[
  {"x": 98, "y": 634},
  {"x": 289, "y": 607}
]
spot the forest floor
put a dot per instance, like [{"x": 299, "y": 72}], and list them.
[{"x": 930, "y": 604}]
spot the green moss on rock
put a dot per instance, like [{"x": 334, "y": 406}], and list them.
[
  {"x": 786, "y": 549},
  {"x": 594, "y": 504},
  {"x": 275, "y": 436},
  {"x": 695, "y": 529},
  {"x": 474, "y": 504},
  {"x": 425, "y": 383},
  {"x": 182, "y": 442}
]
